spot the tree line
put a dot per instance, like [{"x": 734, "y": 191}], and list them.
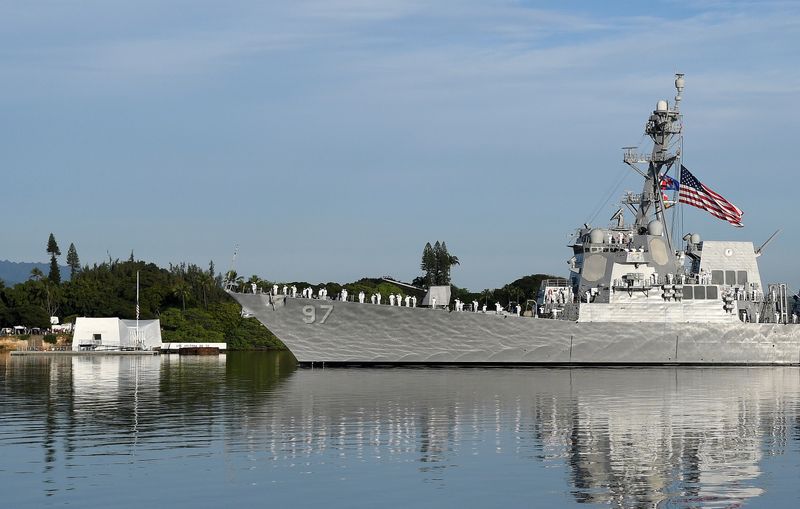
[
  {"x": 436, "y": 264},
  {"x": 188, "y": 299}
]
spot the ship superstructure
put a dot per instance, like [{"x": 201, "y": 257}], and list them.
[{"x": 636, "y": 272}]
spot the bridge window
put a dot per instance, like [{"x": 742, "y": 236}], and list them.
[
  {"x": 730, "y": 277},
  {"x": 699, "y": 292},
  {"x": 717, "y": 277},
  {"x": 688, "y": 294},
  {"x": 741, "y": 276},
  {"x": 711, "y": 292}
]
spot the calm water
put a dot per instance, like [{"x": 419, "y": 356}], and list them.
[{"x": 251, "y": 428}]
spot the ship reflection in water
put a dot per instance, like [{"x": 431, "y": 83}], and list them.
[{"x": 251, "y": 427}]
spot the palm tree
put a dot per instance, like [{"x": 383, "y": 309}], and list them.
[
  {"x": 254, "y": 280},
  {"x": 36, "y": 274},
  {"x": 206, "y": 282},
  {"x": 182, "y": 290},
  {"x": 232, "y": 279},
  {"x": 230, "y": 276}
]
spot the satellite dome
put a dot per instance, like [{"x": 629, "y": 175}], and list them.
[
  {"x": 596, "y": 236},
  {"x": 695, "y": 238},
  {"x": 655, "y": 228},
  {"x": 680, "y": 82},
  {"x": 661, "y": 105}
]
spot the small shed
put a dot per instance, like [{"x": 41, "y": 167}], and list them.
[
  {"x": 115, "y": 334},
  {"x": 441, "y": 294}
]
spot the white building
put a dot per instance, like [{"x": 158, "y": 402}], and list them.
[
  {"x": 438, "y": 294},
  {"x": 115, "y": 334}
]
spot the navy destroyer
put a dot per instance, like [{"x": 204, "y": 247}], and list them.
[{"x": 634, "y": 294}]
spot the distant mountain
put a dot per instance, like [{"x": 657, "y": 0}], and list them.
[{"x": 16, "y": 272}]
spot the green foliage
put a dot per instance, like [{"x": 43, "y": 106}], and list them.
[
  {"x": 181, "y": 290},
  {"x": 55, "y": 271},
  {"x": 518, "y": 291},
  {"x": 444, "y": 262},
  {"x": 189, "y": 301},
  {"x": 222, "y": 322},
  {"x": 529, "y": 285},
  {"x": 50, "y": 338},
  {"x": 428, "y": 265},
  {"x": 31, "y": 315},
  {"x": 436, "y": 264},
  {"x": 334, "y": 288},
  {"x": 52, "y": 246},
  {"x": 53, "y": 251},
  {"x": 388, "y": 288},
  {"x": 73, "y": 262},
  {"x": 36, "y": 274}
]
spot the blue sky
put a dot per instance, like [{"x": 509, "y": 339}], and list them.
[{"x": 331, "y": 139}]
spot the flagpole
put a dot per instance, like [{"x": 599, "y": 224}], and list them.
[{"x": 138, "y": 340}]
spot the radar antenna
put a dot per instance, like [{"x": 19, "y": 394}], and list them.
[{"x": 228, "y": 274}]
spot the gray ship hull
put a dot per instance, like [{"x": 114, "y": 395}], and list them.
[{"x": 354, "y": 333}]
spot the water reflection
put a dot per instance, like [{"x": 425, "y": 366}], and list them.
[{"x": 625, "y": 437}]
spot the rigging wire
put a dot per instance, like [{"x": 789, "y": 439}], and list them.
[
  {"x": 608, "y": 195},
  {"x": 678, "y": 207},
  {"x": 613, "y": 189}
]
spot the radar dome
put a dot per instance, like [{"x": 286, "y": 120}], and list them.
[
  {"x": 596, "y": 236},
  {"x": 661, "y": 105},
  {"x": 695, "y": 238},
  {"x": 655, "y": 228}
]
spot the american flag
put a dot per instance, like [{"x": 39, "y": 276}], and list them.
[{"x": 694, "y": 192}]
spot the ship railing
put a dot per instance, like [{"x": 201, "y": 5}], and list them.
[
  {"x": 632, "y": 284},
  {"x": 632, "y": 198},
  {"x": 631, "y": 156}
]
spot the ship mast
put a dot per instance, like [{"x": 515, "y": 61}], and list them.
[{"x": 663, "y": 125}]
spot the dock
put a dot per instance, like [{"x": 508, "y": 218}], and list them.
[
  {"x": 194, "y": 348},
  {"x": 72, "y": 353}
]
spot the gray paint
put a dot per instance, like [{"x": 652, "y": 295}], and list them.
[{"x": 367, "y": 333}]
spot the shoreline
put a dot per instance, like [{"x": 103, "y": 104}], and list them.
[{"x": 72, "y": 353}]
